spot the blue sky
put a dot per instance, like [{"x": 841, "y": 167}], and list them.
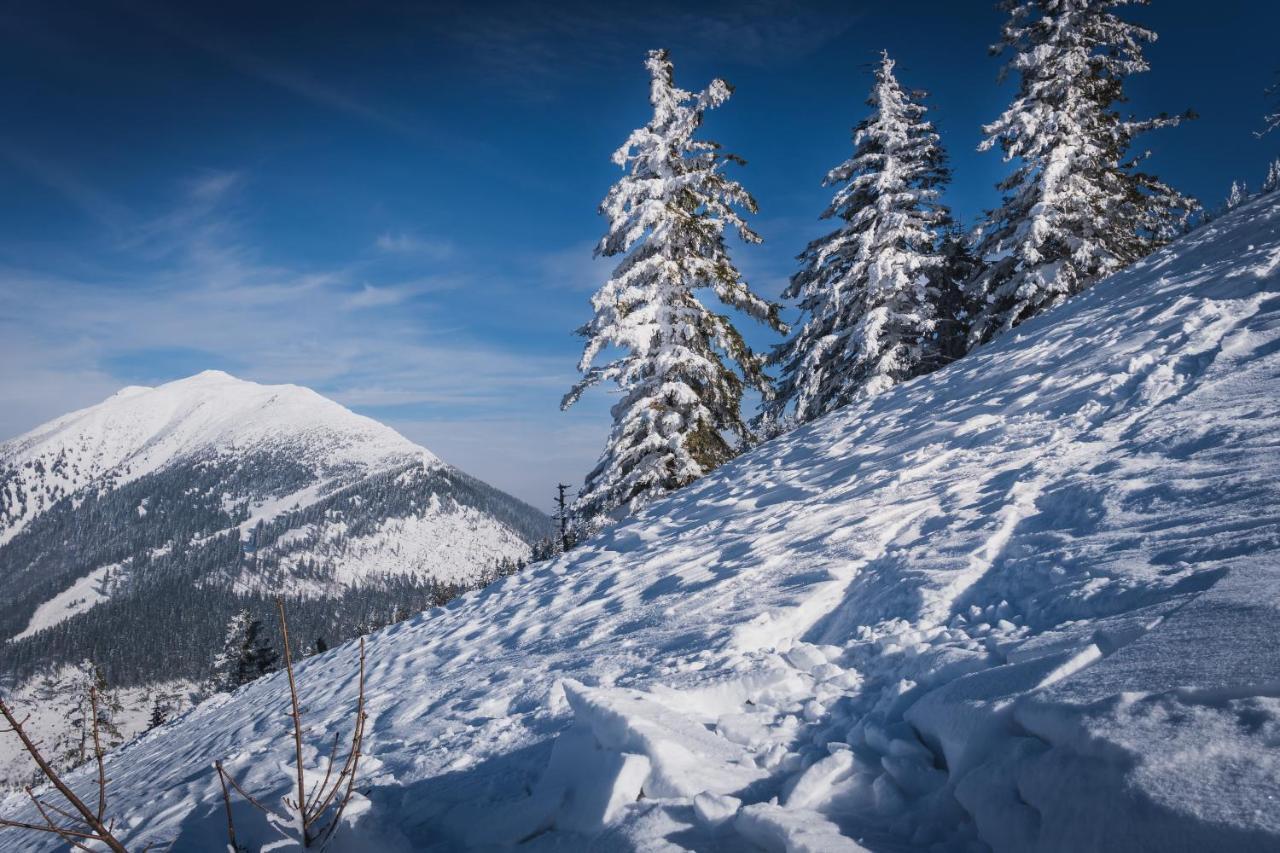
[{"x": 395, "y": 203}]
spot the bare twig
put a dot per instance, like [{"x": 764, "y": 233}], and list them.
[
  {"x": 94, "y": 827},
  {"x": 97, "y": 753},
  {"x": 66, "y": 833},
  {"x": 249, "y": 797},
  {"x": 297, "y": 719},
  {"x": 331, "y": 794},
  {"x": 226, "y": 801},
  {"x": 357, "y": 740}
]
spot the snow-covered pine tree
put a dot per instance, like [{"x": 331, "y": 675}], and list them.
[
  {"x": 72, "y": 685},
  {"x": 1076, "y": 207},
  {"x": 868, "y": 290},
  {"x": 1239, "y": 195},
  {"x": 225, "y": 675},
  {"x": 159, "y": 714},
  {"x": 1272, "y": 183},
  {"x": 681, "y": 398},
  {"x": 954, "y": 309},
  {"x": 245, "y": 654}
]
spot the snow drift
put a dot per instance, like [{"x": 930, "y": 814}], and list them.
[{"x": 1029, "y": 602}]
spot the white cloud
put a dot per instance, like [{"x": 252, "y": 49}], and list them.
[
  {"x": 92, "y": 202},
  {"x": 72, "y": 339},
  {"x": 525, "y": 456},
  {"x": 404, "y": 243},
  {"x": 574, "y": 267}
]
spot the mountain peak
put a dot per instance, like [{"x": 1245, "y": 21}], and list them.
[
  {"x": 214, "y": 376},
  {"x": 141, "y": 430}
]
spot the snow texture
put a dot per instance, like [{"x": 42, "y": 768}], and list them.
[{"x": 1026, "y": 603}]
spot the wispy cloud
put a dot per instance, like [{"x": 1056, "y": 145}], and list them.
[
  {"x": 296, "y": 81},
  {"x": 534, "y": 47},
  {"x": 68, "y": 340},
  {"x": 381, "y": 296},
  {"x": 405, "y": 243},
  {"x": 91, "y": 201},
  {"x": 573, "y": 267}
]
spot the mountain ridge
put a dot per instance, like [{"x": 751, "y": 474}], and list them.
[{"x": 138, "y": 430}]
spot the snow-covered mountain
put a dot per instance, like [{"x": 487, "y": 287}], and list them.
[
  {"x": 1029, "y": 602},
  {"x": 130, "y": 530}
]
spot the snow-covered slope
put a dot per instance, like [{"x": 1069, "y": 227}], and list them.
[{"x": 1029, "y": 602}]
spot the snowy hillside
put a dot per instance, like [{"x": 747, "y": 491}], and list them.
[{"x": 1028, "y": 602}]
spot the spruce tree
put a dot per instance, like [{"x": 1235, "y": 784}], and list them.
[
  {"x": 1239, "y": 195},
  {"x": 1076, "y": 208},
  {"x": 259, "y": 657},
  {"x": 75, "y": 745},
  {"x": 245, "y": 654},
  {"x": 954, "y": 308},
  {"x": 226, "y": 670},
  {"x": 1272, "y": 183},
  {"x": 158, "y": 714},
  {"x": 868, "y": 291},
  {"x": 681, "y": 397}
]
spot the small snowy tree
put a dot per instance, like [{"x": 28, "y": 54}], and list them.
[
  {"x": 868, "y": 291},
  {"x": 245, "y": 654},
  {"x": 1239, "y": 195},
  {"x": 71, "y": 691},
  {"x": 1076, "y": 208},
  {"x": 159, "y": 714},
  {"x": 681, "y": 398},
  {"x": 1272, "y": 183}
]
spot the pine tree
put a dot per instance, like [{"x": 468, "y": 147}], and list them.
[
  {"x": 681, "y": 398},
  {"x": 158, "y": 714},
  {"x": 75, "y": 745},
  {"x": 1239, "y": 195},
  {"x": 260, "y": 657},
  {"x": 1272, "y": 183},
  {"x": 954, "y": 309},
  {"x": 867, "y": 291},
  {"x": 245, "y": 654},
  {"x": 1076, "y": 208}
]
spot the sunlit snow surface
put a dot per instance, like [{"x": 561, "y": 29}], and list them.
[{"x": 1027, "y": 603}]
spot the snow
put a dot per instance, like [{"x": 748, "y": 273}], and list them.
[
  {"x": 1028, "y": 602},
  {"x": 51, "y": 718},
  {"x": 450, "y": 544},
  {"x": 87, "y": 592}
]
